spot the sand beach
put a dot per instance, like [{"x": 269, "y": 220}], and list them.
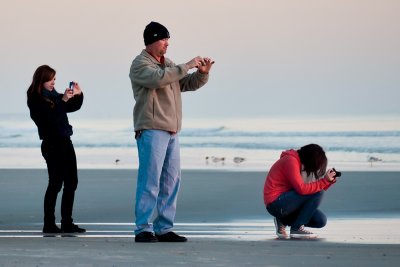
[{"x": 221, "y": 212}]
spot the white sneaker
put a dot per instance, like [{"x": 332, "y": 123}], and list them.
[
  {"x": 280, "y": 229},
  {"x": 302, "y": 233}
]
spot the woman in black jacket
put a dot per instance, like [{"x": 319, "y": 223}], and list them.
[{"x": 48, "y": 109}]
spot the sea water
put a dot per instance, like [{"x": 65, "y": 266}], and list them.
[{"x": 351, "y": 143}]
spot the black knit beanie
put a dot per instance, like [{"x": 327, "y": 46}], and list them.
[{"x": 153, "y": 32}]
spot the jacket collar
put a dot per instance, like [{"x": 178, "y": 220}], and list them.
[{"x": 148, "y": 54}]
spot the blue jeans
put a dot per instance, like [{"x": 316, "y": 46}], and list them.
[
  {"x": 297, "y": 210},
  {"x": 158, "y": 181}
]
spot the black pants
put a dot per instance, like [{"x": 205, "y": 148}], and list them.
[{"x": 61, "y": 165}]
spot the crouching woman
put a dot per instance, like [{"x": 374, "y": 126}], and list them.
[{"x": 290, "y": 199}]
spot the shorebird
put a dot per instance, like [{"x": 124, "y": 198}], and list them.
[
  {"x": 117, "y": 161},
  {"x": 218, "y": 159},
  {"x": 373, "y": 159},
  {"x": 238, "y": 160}
]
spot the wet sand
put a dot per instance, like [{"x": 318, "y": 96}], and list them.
[{"x": 221, "y": 212}]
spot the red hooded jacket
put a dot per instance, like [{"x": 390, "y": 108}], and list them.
[{"x": 285, "y": 176}]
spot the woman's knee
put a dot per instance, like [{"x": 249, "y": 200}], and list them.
[
  {"x": 319, "y": 220},
  {"x": 322, "y": 222},
  {"x": 71, "y": 185},
  {"x": 55, "y": 186}
]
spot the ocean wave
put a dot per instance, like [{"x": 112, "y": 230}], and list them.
[
  {"x": 224, "y": 138},
  {"x": 226, "y": 145},
  {"x": 261, "y": 146},
  {"x": 10, "y": 136},
  {"x": 222, "y": 132}
]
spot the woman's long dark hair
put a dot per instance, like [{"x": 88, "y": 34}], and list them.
[
  {"x": 314, "y": 160},
  {"x": 42, "y": 74}
]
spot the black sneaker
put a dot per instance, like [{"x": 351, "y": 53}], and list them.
[
  {"x": 72, "y": 228},
  {"x": 145, "y": 237},
  {"x": 171, "y": 237},
  {"x": 51, "y": 229}
]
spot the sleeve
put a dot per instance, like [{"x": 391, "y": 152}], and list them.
[
  {"x": 74, "y": 103},
  {"x": 150, "y": 75},
  {"x": 193, "y": 81},
  {"x": 329, "y": 184}
]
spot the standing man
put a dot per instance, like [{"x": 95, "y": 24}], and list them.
[{"x": 157, "y": 84}]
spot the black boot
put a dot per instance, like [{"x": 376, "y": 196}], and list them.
[
  {"x": 49, "y": 228},
  {"x": 71, "y": 228}
]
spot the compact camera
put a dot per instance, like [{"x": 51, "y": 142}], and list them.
[{"x": 338, "y": 174}]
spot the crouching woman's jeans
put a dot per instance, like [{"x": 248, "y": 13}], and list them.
[{"x": 296, "y": 210}]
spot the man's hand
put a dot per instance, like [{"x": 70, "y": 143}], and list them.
[
  {"x": 203, "y": 64},
  {"x": 206, "y": 65}
]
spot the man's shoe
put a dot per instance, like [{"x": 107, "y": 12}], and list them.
[
  {"x": 145, "y": 237},
  {"x": 171, "y": 237},
  {"x": 51, "y": 229},
  {"x": 301, "y": 233},
  {"x": 280, "y": 229},
  {"x": 72, "y": 228}
]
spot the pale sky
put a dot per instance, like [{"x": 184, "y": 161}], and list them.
[{"x": 294, "y": 57}]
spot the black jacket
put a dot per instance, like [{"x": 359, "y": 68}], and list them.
[{"x": 51, "y": 119}]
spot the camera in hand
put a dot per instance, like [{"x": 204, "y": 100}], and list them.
[{"x": 338, "y": 174}]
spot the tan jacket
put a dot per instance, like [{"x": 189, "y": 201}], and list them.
[{"x": 157, "y": 91}]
